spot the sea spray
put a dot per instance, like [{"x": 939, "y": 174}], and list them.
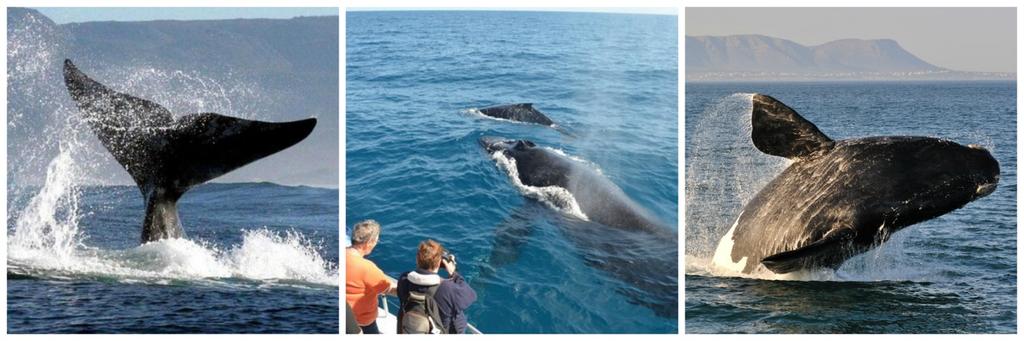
[
  {"x": 46, "y": 230},
  {"x": 265, "y": 255},
  {"x": 723, "y": 171}
]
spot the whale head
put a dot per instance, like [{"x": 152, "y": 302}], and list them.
[
  {"x": 945, "y": 174},
  {"x": 986, "y": 171},
  {"x": 492, "y": 144}
]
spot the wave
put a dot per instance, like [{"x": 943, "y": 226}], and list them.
[{"x": 46, "y": 242}]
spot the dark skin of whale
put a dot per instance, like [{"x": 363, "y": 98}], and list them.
[
  {"x": 165, "y": 156},
  {"x": 600, "y": 199},
  {"x": 621, "y": 238},
  {"x": 841, "y": 198},
  {"x": 521, "y": 112}
]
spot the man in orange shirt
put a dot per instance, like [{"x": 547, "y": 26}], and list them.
[{"x": 363, "y": 279}]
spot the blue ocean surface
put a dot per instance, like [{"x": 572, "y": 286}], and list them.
[
  {"x": 258, "y": 258},
  {"x": 953, "y": 274},
  {"x": 413, "y": 162}
]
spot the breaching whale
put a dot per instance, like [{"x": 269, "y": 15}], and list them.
[
  {"x": 841, "y": 198},
  {"x": 521, "y": 112},
  {"x": 167, "y": 157},
  {"x": 620, "y": 238}
]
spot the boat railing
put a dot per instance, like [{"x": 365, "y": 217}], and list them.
[{"x": 470, "y": 329}]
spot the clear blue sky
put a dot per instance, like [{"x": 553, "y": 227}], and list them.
[{"x": 83, "y": 14}]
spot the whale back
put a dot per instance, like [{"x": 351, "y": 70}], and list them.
[{"x": 520, "y": 112}]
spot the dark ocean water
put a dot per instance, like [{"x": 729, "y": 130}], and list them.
[
  {"x": 258, "y": 258},
  {"x": 414, "y": 163},
  {"x": 954, "y": 274}
]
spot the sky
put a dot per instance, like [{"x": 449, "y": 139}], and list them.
[
  {"x": 630, "y": 10},
  {"x": 66, "y": 15},
  {"x": 963, "y": 39}
]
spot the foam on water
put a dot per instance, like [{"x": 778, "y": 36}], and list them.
[
  {"x": 46, "y": 242},
  {"x": 556, "y": 197}
]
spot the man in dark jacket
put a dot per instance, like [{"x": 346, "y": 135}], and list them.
[{"x": 452, "y": 295}]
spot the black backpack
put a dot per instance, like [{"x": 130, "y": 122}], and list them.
[{"x": 419, "y": 314}]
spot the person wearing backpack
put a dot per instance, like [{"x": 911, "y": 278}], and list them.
[{"x": 428, "y": 303}]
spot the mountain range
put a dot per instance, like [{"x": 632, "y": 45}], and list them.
[{"x": 759, "y": 57}]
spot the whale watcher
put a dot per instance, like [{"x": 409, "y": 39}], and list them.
[
  {"x": 430, "y": 304},
  {"x": 364, "y": 281}
]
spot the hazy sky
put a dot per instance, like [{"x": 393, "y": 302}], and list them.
[
  {"x": 965, "y": 39},
  {"x": 82, "y": 14},
  {"x": 631, "y": 10}
]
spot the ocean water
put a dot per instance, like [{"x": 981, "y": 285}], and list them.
[
  {"x": 953, "y": 274},
  {"x": 414, "y": 163},
  {"x": 258, "y": 258}
]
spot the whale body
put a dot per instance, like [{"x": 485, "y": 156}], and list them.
[
  {"x": 841, "y": 198},
  {"x": 618, "y": 236},
  {"x": 598, "y": 198},
  {"x": 167, "y": 156}
]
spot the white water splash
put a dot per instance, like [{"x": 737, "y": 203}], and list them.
[
  {"x": 556, "y": 197},
  {"x": 263, "y": 255},
  {"x": 47, "y": 228},
  {"x": 46, "y": 242}
]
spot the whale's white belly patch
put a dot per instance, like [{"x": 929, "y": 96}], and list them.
[{"x": 722, "y": 263}]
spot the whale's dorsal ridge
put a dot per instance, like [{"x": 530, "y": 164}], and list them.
[{"x": 777, "y": 129}]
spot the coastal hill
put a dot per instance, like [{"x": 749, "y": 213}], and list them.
[{"x": 759, "y": 57}]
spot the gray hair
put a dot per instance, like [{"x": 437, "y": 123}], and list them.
[{"x": 365, "y": 231}]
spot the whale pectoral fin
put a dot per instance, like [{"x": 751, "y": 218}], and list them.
[
  {"x": 209, "y": 145},
  {"x": 778, "y": 130},
  {"x": 817, "y": 254}
]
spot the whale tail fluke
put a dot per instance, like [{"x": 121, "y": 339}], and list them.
[
  {"x": 166, "y": 157},
  {"x": 776, "y": 129}
]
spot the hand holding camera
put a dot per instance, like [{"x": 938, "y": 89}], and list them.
[{"x": 448, "y": 261}]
